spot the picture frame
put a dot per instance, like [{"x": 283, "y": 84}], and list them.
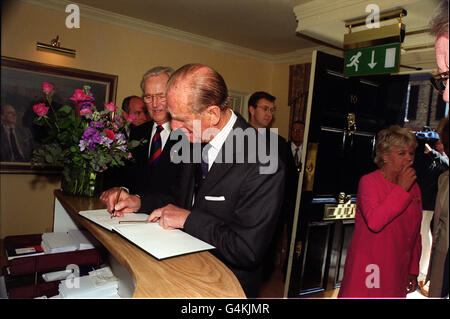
[{"x": 21, "y": 88}]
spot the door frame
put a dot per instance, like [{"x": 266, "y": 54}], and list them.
[{"x": 300, "y": 179}]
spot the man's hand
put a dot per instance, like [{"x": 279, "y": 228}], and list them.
[
  {"x": 109, "y": 196},
  {"x": 170, "y": 216},
  {"x": 127, "y": 203}
]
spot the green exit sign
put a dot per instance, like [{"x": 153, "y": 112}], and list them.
[{"x": 372, "y": 60}]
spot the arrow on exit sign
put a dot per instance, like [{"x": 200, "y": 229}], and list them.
[{"x": 372, "y": 60}]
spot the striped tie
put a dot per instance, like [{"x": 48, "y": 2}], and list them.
[
  {"x": 204, "y": 164},
  {"x": 296, "y": 158},
  {"x": 156, "y": 149},
  {"x": 201, "y": 171},
  {"x": 17, "y": 156}
]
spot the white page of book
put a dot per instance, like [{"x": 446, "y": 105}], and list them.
[
  {"x": 151, "y": 237},
  {"x": 159, "y": 242},
  {"x": 103, "y": 218}
]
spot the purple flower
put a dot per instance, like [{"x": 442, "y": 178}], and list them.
[
  {"x": 96, "y": 138},
  {"x": 117, "y": 123},
  {"x": 90, "y": 138},
  {"x": 120, "y": 137},
  {"x": 106, "y": 141},
  {"x": 82, "y": 145},
  {"x": 89, "y": 131},
  {"x": 96, "y": 124}
]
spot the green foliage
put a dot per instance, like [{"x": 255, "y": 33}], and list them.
[{"x": 88, "y": 139}]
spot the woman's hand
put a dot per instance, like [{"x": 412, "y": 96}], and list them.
[
  {"x": 412, "y": 284},
  {"x": 406, "y": 178}
]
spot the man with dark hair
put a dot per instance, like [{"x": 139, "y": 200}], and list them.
[
  {"x": 261, "y": 107},
  {"x": 230, "y": 204},
  {"x": 438, "y": 269},
  {"x": 134, "y": 110}
]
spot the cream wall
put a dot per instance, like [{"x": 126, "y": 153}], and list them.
[{"x": 101, "y": 47}]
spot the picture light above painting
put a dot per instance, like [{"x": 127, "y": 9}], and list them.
[{"x": 21, "y": 88}]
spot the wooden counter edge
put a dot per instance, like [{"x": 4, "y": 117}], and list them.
[{"x": 140, "y": 290}]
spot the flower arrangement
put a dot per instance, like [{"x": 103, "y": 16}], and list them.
[{"x": 84, "y": 140}]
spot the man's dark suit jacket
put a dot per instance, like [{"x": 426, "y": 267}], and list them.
[
  {"x": 137, "y": 175},
  {"x": 25, "y": 139},
  {"x": 292, "y": 175},
  {"x": 240, "y": 225},
  {"x": 288, "y": 204},
  {"x": 291, "y": 180}
]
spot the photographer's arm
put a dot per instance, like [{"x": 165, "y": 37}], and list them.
[{"x": 441, "y": 159}]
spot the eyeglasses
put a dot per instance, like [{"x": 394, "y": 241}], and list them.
[
  {"x": 439, "y": 81},
  {"x": 266, "y": 108},
  {"x": 297, "y": 130},
  {"x": 152, "y": 98}
]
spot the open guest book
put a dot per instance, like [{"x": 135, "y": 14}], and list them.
[{"x": 152, "y": 238}]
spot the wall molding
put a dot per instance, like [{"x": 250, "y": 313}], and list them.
[{"x": 107, "y": 17}]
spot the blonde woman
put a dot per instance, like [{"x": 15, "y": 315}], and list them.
[{"x": 383, "y": 256}]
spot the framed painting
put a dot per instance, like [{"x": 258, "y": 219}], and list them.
[{"x": 21, "y": 88}]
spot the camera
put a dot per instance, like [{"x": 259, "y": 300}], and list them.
[{"x": 428, "y": 136}]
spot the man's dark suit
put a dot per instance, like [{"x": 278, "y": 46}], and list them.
[
  {"x": 292, "y": 175},
  {"x": 24, "y": 138},
  {"x": 138, "y": 176},
  {"x": 288, "y": 203},
  {"x": 241, "y": 225}
]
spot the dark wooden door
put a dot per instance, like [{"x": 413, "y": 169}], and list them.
[{"x": 344, "y": 114}]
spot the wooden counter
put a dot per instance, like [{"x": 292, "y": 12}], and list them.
[{"x": 197, "y": 275}]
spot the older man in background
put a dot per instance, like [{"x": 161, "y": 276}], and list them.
[
  {"x": 16, "y": 140},
  {"x": 152, "y": 170},
  {"x": 134, "y": 110}
]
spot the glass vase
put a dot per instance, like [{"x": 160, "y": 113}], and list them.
[{"x": 81, "y": 182}]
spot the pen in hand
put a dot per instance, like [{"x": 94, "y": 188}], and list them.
[{"x": 113, "y": 213}]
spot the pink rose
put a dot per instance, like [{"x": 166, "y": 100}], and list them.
[
  {"x": 80, "y": 96},
  {"x": 110, "y": 134},
  {"x": 85, "y": 111},
  {"x": 131, "y": 118},
  {"x": 47, "y": 87},
  {"x": 40, "y": 109},
  {"x": 111, "y": 107}
]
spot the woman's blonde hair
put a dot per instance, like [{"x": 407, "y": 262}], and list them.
[{"x": 394, "y": 135}]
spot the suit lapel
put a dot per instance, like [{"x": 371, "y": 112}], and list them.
[{"x": 218, "y": 170}]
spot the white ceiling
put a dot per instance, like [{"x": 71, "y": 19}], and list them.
[
  {"x": 267, "y": 26},
  {"x": 270, "y": 28},
  {"x": 325, "y": 20}
]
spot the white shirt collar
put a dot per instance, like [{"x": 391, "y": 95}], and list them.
[
  {"x": 164, "y": 134},
  {"x": 220, "y": 138},
  {"x": 166, "y": 126},
  {"x": 293, "y": 147}
]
